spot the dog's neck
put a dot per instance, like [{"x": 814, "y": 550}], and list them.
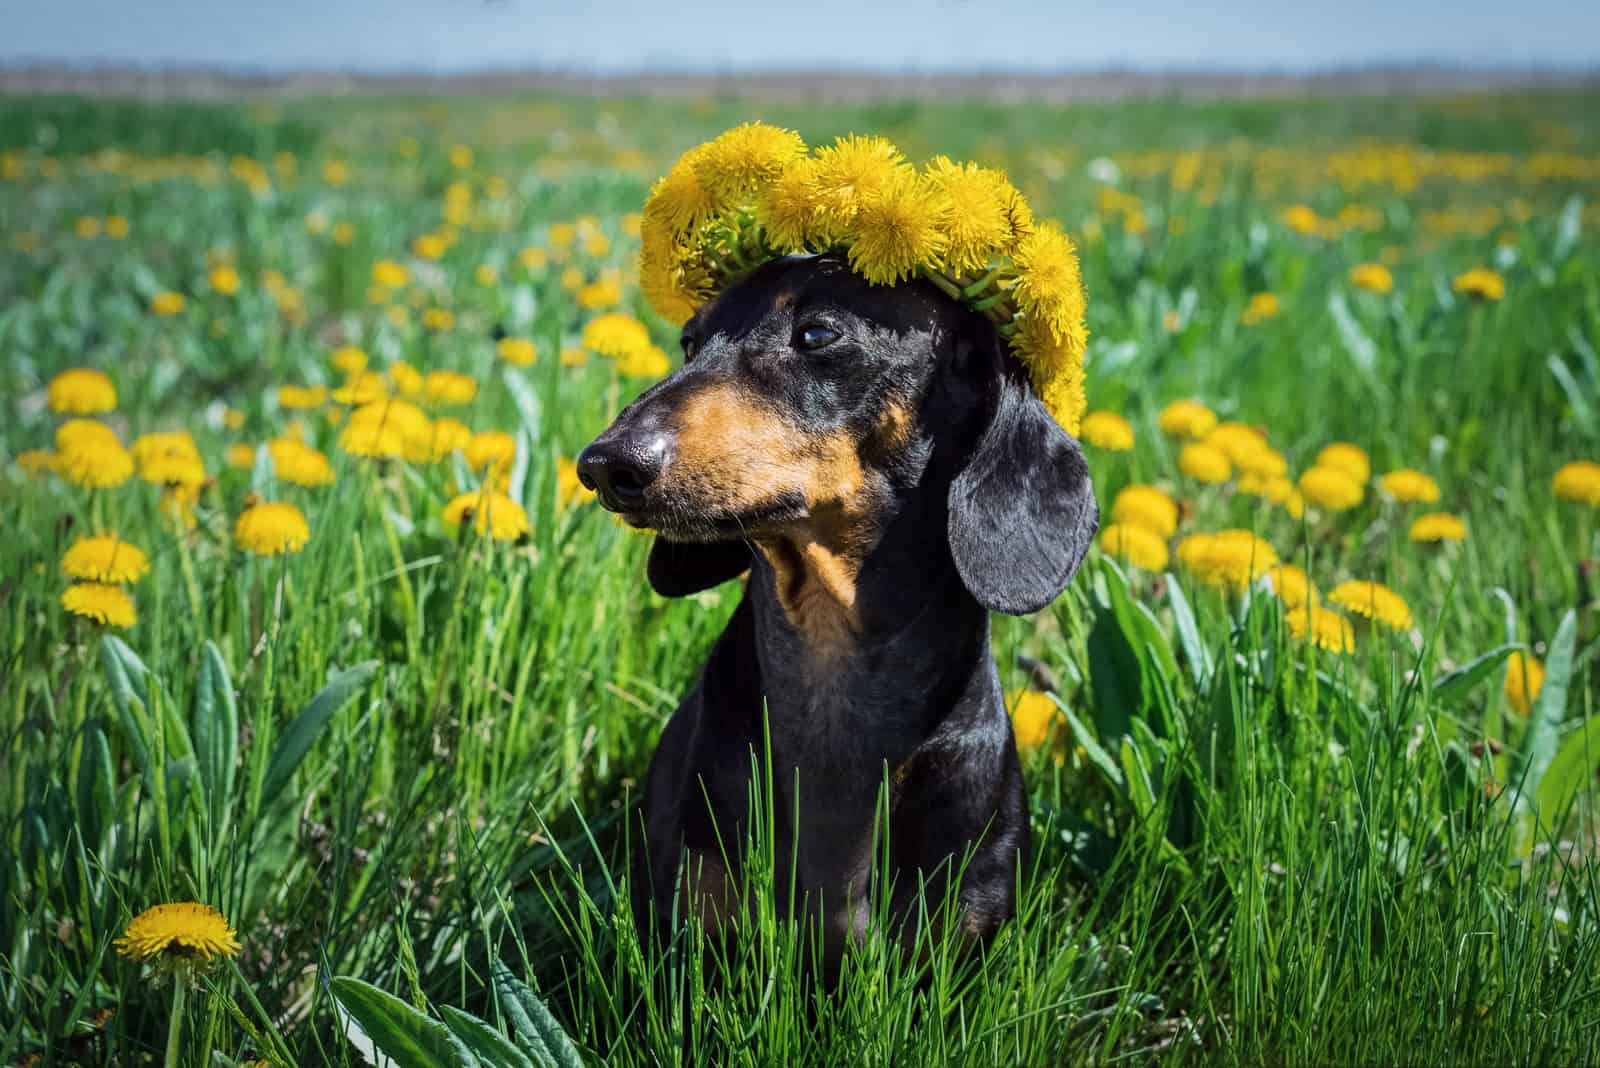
[{"x": 867, "y": 635}]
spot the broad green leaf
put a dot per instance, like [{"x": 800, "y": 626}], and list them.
[
  {"x": 1194, "y": 649},
  {"x": 1137, "y": 773},
  {"x": 96, "y": 787},
  {"x": 1576, "y": 761},
  {"x": 399, "y": 1032},
  {"x": 1544, "y": 718},
  {"x": 1457, "y": 683},
  {"x": 300, "y": 735},
  {"x": 215, "y": 724},
  {"x": 1114, "y": 672},
  {"x": 488, "y": 1045},
  {"x": 538, "y": 1033},
  {"x": 130, "y": 693}
]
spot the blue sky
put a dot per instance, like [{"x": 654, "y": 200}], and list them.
[{"x": 456, "y": 35}]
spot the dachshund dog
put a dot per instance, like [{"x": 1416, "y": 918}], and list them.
[{"x": 875, "y": 458}]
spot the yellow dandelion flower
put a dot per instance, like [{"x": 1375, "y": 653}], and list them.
[
  {"x": 299, "y": 464},
  {"x": 1407, "y": 484},
  {"x": 86, "y": 227},
  {"x": 240, "y": 455},
  {"x": 103, "y": 603},
  {"x": 36, "y": 463},
  {"x": 429, "y": 246},
  {"x": 271, "y": 528},
  {"x": 491, "y": 448},
  {"x": 898, "y": 229},
  {"x": 490, "y": 512},
  {"x": 1204, "y": 463},
  {"x": 186, "y": 931},
  {"x": 1055, "y": 367},
  {"x": 1241, "y": 443},
  {"x": 1524, "y": 680},
  {"x": 1303, "y": 219},
  {"x": 92, "y": 462},
  {"x": 389, "y": 274},
  {"x": 562, "y": 235},
  {"x": 1373, "y": 277},
  {"x": 850, "y": 172},
  {"x": 1578, "y": 481},
  {"x": 82, "y": 433},
  {"x": 603, "y": 293},
  {"x": 167, "y": 303},
  {"x": 1187, "y": 419},
  {"x": 569, "y": 489},
  {"x": 406, "y": 378},
  {"x": 1330, "y": 488},
  {"x": 787, "y": 207},
  {"x": 302, "y": 396},
  {"x": 1373, "y": 600},
  {"x": 745, "y": 157},
  {"x": 1049, "y": 288},
  {"x": 978, "y": 222},
  {"x": 1351, "y": 459},
  {"x": 439, "y": 440},
  {"x": 366, "y": 387},
  {"x": 1107, "y": 430},
  {"x": 648, "y": 362},
  {"x": 1148, "y": 507},
  {"x": 534, "y": 259},
  {"x": 450, "y": 387},
  {"x": 572, "y": 356},
  {"x": 104, "y": 558},
  {"x": 1034, "y": 719},
  {"x": 517, "y": 351},
  {"x": 1260, "y": 308},
  {"x": 349, "y": 360},
  {"x": 1481, "y": 284},
  {"x": 615, "y": 334},
  {"x": 438, "y": 319},
  {"x": 374, "y": 439},
  {"x": 223, "y": 279},
  {"x": 672, "y": 275},
  {"x": 82, "y": 391},
  {"x": 1292, "y": 585},
  {"x": 1437, "y": 527},
  {"x": 680, "y": 199},
  {"x": 116, "y": 227},
  {"x": 1227, "y": 559},
  {"x": 1140, "y": 546},
  {"x": 1321, "y": 627}
]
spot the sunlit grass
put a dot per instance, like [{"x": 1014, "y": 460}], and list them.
[{"x": 407, "y": 748}]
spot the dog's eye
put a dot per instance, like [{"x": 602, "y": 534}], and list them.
[{"x": 818, "y": 337}]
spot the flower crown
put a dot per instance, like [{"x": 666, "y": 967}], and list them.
[{"x": 757, "y": 192}]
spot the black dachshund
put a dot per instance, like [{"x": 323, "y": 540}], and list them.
[{"x": 875, "y": 458}]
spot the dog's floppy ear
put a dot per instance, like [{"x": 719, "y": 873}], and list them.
[
  {"x": 1022, "y": 511},
  {"x": 677, "y": 569}
]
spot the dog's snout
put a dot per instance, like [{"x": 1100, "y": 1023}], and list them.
[{"x": 620, "y": 469}]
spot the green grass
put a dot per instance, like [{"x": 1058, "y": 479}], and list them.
[{"x": 1247, "y": 852}]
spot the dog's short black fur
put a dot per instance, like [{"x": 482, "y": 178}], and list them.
[{"x": 874, "y": 457}]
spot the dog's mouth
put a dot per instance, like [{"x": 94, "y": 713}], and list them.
[{"x": 685, "y": 521}]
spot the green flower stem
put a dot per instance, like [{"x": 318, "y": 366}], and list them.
[
  {"x": 975, "y": 288},
  {"x": 175, "y": 1023},
  {"x": 945, "y": 285}
]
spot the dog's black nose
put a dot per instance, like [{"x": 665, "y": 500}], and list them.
[{"x": 620, "y": 469}]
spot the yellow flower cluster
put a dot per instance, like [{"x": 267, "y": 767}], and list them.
[
  {"x": 757, "y": 192},
  {"x": 100, "y": 564}
]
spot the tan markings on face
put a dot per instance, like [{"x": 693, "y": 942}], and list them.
[
  {"x": 894, "y": 432},
  {"x": 816, "y": 587},
  {"x": 732, "y": 455}
]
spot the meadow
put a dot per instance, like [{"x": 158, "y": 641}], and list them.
[{"x": 266, "y": 652}]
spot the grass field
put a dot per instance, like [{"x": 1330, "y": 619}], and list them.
[{"x": 403, "y": 752}]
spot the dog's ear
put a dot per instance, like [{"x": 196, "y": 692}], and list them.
[
  {"x": 677, "y": 569},
  {"x": 1022, "y": 511}
]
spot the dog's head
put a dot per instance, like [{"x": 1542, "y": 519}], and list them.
[{"x": 809, "y": 399}]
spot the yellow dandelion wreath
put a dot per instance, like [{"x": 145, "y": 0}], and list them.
[{"x": 756, "y": 192}]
